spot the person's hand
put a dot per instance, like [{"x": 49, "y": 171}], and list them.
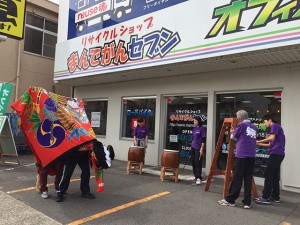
[
  {"x": 83, "y": 149},
  {"x": 231, "y": 129},
  {"x": 201, "y": 152}
]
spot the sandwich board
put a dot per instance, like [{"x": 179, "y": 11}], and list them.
[{"x": 7, "y": 143}]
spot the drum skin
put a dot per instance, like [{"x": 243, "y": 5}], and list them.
[
  {"x": 136, "y": 154},
  {"x": 170, "y": 159}
]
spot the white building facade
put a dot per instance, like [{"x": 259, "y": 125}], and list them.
[{"x": 167, "y": 61}]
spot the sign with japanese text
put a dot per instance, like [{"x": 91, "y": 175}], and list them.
[
  {"x": 86, "y": 16},
  {"x": 12, "y": 17},
  {"x": 113, "y": 35},
  {"x": 5, "y": 93},
  {"x": 95, "y": 119}
]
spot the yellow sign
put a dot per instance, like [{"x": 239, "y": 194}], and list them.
[{"x": 12, "y": 14}]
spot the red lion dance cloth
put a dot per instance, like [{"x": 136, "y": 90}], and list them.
[{"x": 52, "y": 124}]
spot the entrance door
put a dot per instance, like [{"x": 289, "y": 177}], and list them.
[{"x": 179, "y": 125}]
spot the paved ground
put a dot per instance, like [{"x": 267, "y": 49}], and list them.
[{"x": 131, "y": 199}]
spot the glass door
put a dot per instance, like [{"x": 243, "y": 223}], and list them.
[
  {"x": 257, "y": 104},
  {"x": 179, "y": 124}
]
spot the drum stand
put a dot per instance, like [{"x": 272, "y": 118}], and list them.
[
  {"x": 134, "y": 167},
  {"x": 174, "y": 176}
]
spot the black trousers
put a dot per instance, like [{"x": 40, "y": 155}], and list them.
[
  {"x": 243, "y": 170},
  {"x": 196, "y": 163},
  {"x": 82, "y": 159},
  {"x": 272, "y": 177}
]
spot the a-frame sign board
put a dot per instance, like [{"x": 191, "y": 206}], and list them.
[
  {"x": 7, "y": 143},
  {"x": 227, "y": 125}
]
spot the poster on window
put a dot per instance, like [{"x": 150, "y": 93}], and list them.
[
  {"x": 180, "y": 128},
  {"x": 95, "y": 119}
]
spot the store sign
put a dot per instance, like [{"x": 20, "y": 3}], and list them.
[
  {"x": 139, "y": 112},
  {"x": 12, "y": 17},
  {"x": 113, "y": 35},
  {"x": 87, "y": 16},
  {"x": 5, "y": 93}
]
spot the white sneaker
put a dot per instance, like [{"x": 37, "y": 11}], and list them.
[
  {"x": 198, "y": 181},
  {"x": 223, "y": 202},
  {"x": 45, "y": 195},
  {"x": 247, "y": 206}
]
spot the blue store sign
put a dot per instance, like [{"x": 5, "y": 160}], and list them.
[{"x": 86, "y": 16}]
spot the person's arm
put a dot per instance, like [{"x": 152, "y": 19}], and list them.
[
  {"x": 202, "y": 148},
  {"x": 134, "y": 137},
  {"x": 263, "y": 145},
  {"x": 235, "y": 133},
  {"x": 134, "y": 140},
  {"x": 267, "y": 140},
  {"x": 146, "y": 141}
]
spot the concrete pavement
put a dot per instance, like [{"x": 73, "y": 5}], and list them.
[
  {"x": 134, "y": 200},
  {"x": 14, "y": 211}
]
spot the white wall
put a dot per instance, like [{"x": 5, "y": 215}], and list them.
[{"x": 267, "y": 78}]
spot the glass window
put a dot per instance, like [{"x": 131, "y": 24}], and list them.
[
  {"x": 40, "y": 36},
  {"x": 96, "y": 111},
  {"x": 257, "y": 105},
  {"x": 35, "y": 21},
  {"x": 49, "y": 45},
  {"x": 181, "y": 111},
  {"x": 51, "y": 26},
  {"x": 135, "y": 108},
  {"x": 33, "y": 41}
]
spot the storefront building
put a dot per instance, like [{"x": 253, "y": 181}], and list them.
[{"x": 167, "y": 61}]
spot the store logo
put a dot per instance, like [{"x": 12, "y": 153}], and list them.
[
  {"x": 229, "y": 16},
  {"x": 155, "y": 44}
]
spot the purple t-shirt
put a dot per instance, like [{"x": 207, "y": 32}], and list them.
[
  {"x": 277, "y": 147},
  {"x": 245, "y": 136},
  {"x": 140, "y": 132},
  {"x": 199, "y": 133}
]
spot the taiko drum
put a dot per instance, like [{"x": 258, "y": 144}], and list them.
[
  {"x": 170, "y": 159},
  {"x": 136, "y": 154}
]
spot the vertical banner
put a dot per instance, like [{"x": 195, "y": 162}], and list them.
[{"x": 5, "y": 93}]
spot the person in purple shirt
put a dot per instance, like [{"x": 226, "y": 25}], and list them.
[
  {"x": 140, "y": 134},
  {"x": 276, "y": 143},
  {"x": 245, "y": 137},
  {"x": 198, "y": 144}
]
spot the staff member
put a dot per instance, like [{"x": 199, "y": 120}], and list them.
[
  {"x": 276, "y": 143},
  {"x": 245, "y": 137},
  {"x": 198, "y": 144},
  {"x": 140, "y": 134}
]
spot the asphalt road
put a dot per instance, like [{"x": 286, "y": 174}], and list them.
[{"x": 134, "y": 200}]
